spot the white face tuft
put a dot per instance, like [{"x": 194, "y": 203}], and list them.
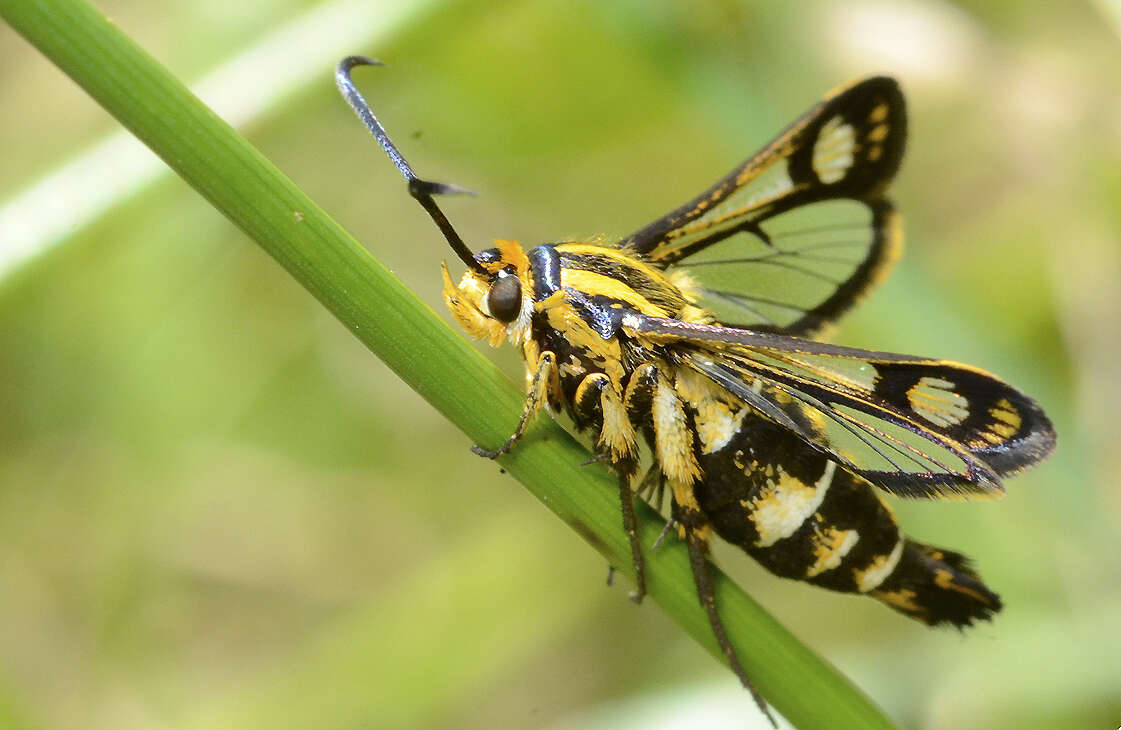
[{"x": 478, "y": 297}]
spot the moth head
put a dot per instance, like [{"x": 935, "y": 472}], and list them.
[
  {"x": 493, "y": 301},
  {"x": 493, "y": 298}
]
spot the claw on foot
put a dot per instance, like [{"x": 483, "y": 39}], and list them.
[
  {"x": 596, "y": 458},
  {"x": 485, "y": 453}
]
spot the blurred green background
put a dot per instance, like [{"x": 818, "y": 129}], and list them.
[{"x": 218, "y": 510}]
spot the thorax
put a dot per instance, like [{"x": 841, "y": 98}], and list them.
[{"x": 581, "y": 291}]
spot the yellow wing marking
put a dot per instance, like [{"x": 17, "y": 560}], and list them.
[
  {"x": 1008, "y": 421},
  {"x": 834, "y": 150},
  {"x": 936, "y": 400}
]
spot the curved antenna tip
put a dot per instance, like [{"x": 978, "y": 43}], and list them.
[
  {"x": 426, "y": 187},
  {"x": 351, "y": 61},
  {"x": 342, "y": 71}
]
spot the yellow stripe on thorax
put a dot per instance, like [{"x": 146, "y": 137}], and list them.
[
  {"x": 592, "y": 283},
  {"x": 622, "y": 257}
]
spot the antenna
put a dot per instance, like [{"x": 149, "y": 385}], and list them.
[{"x": 421, "y": 190}]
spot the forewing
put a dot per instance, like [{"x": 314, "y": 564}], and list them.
[
  {"x": 793, "y": 237},
  {"x": 912, "y": 426}
]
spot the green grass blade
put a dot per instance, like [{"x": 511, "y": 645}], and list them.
[{"x": 415, "y": 343}]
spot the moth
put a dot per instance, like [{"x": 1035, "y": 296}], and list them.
[{"x": 692, "y": 337}]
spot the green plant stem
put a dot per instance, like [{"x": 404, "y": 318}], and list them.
[{"x": 417, "y": 344}]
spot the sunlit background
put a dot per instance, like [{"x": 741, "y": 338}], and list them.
[{"x": 218, "y": 510}]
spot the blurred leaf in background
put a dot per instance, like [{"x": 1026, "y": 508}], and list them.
[{"x": 218, "y": 510}]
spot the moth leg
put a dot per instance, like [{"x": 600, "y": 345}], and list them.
[
  {"x": 652, "y": 488},
  {"x": 648, "y": 485},
  {"x": 702, "y": 579},
  {"x": 673, "y": 445},
  {"x": 630, "y": 525},
  {"x": 596, "y": 458},
  {"x": 544, "y": 375},
  {"x": 596, "y": 397},
  {"x": 670, "y": 524}
]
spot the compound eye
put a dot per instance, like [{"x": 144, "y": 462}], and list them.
[{"x": 504, "y": 300}]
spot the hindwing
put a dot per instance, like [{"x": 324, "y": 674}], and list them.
[{"x": 913, "y": 426}]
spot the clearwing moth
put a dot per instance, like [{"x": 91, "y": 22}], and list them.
[{"x": 692, "y": 336}]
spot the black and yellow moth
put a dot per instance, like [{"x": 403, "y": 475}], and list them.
[{"x": 692, "y": 336}]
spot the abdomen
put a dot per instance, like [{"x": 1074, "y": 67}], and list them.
[{"x": 805, "y": 517}]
